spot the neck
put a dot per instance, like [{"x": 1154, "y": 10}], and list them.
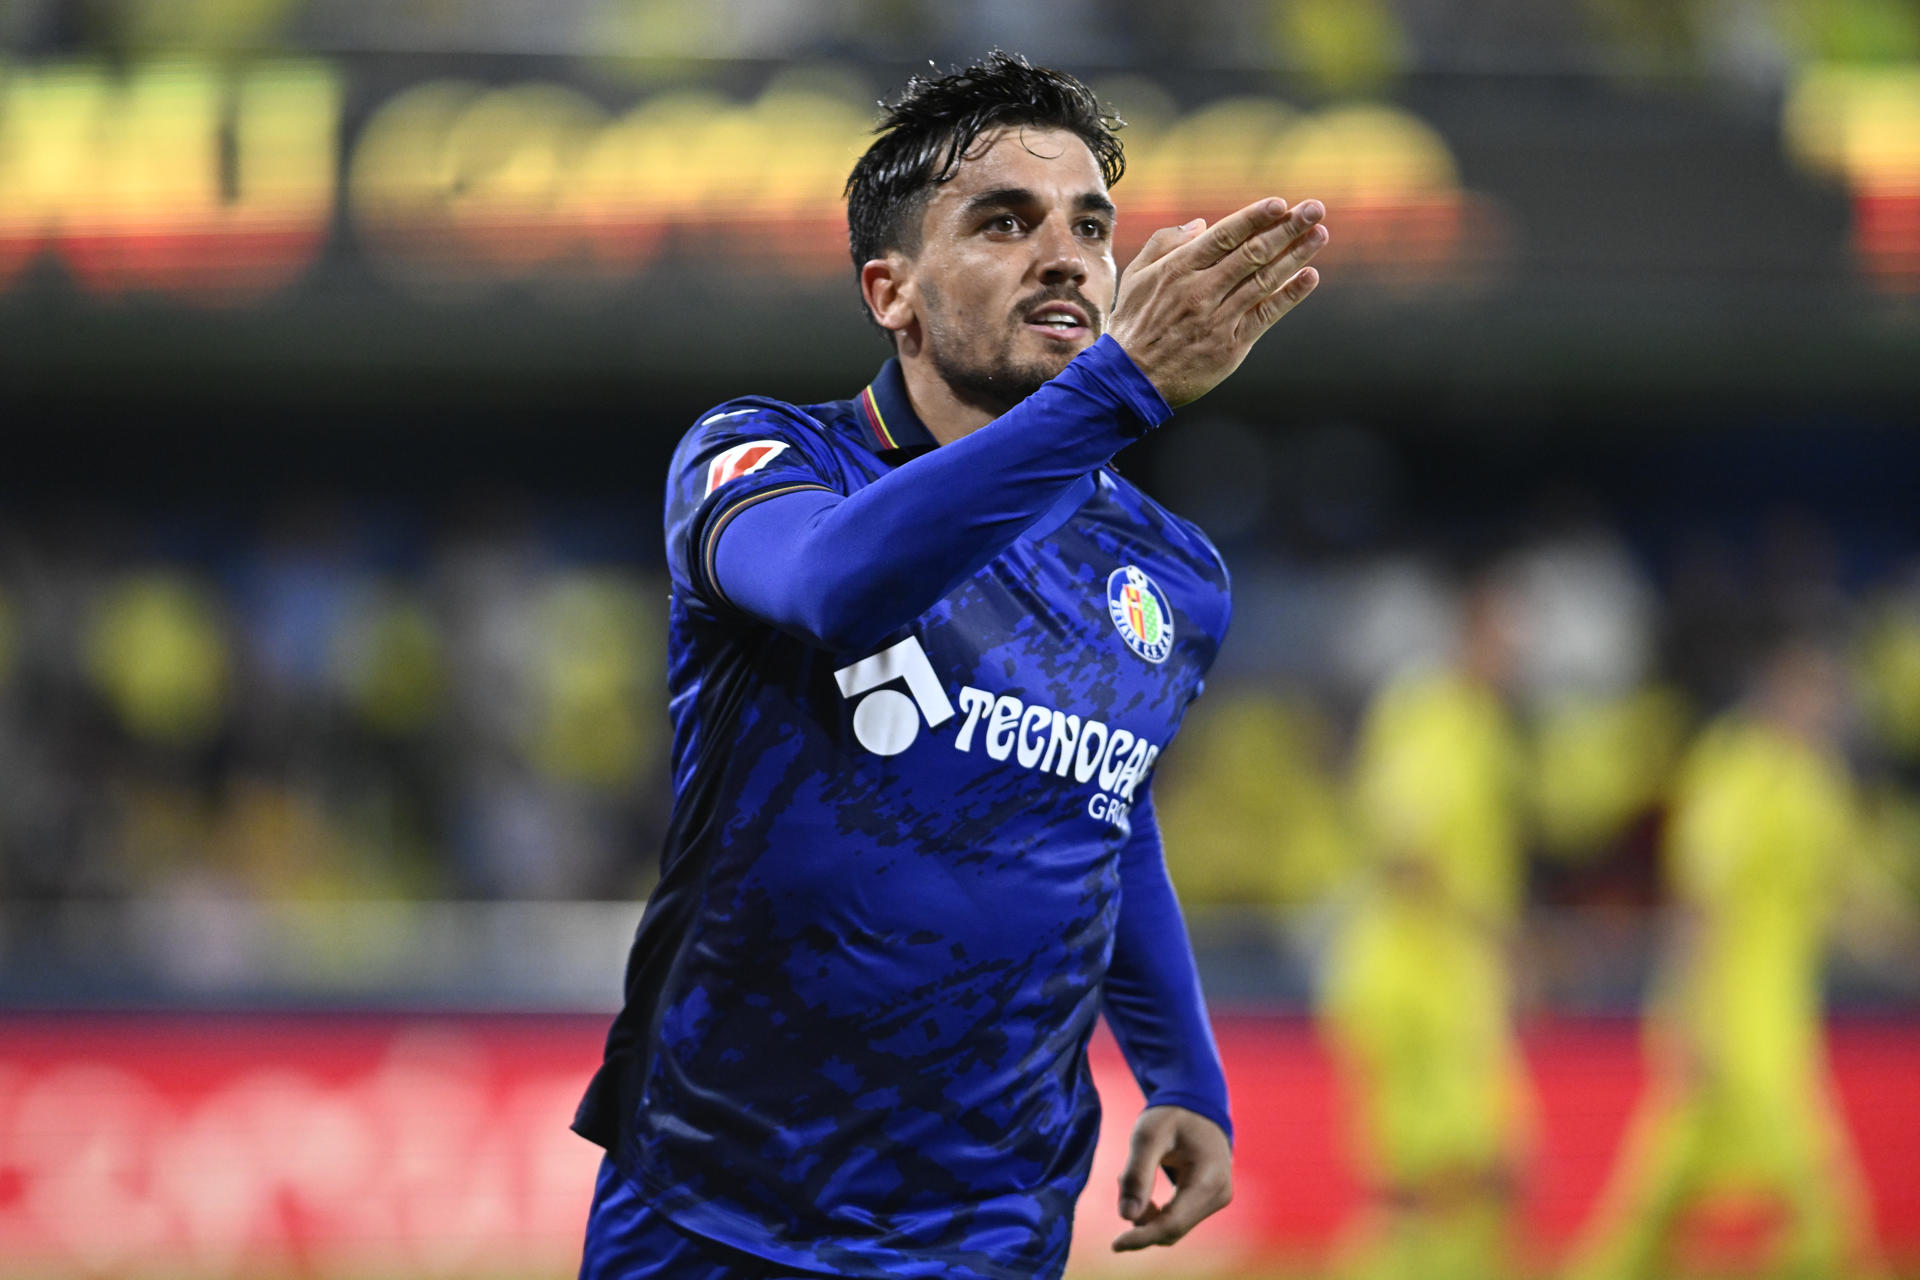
[{"x": 947, "y": 417}]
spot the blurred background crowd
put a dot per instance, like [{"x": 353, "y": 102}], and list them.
[
  {"x": 1345, "y": 45},
  {"x": 462, "y": 696},
  {"x": 329, "y": 703}
]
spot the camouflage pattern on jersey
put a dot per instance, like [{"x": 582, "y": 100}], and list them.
[{"x": 859, "y": 1001}]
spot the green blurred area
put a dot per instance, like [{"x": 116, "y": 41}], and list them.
[{"x": 1344, "y": 46}]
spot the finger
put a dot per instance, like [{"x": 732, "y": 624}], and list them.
[
  {"x": 1135, "y": 1237},
  {"x": 1197, "y": 1197},
  {"x": 1265, "y": 313},
  {"x": 1233, "y": 231},
  {"x": 1265, "y": 251},
  {"x": 1150, "y": 1145},
  {"x": 1165, "y": 241},
  {"x": 1270, "y": 274}
]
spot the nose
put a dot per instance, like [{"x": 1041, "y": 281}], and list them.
[{"x": 1060, "y": 258}]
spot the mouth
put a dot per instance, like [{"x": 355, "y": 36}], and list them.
[{"x": 1059, "y": 321}]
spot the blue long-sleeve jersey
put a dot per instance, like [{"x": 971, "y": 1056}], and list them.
[{"x": 916, "y": 705}]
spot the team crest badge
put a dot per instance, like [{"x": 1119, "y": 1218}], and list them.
[{"x": 1140, "y": 613}]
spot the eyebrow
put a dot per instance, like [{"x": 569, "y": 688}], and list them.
[{"x": 1012, "y": 197}]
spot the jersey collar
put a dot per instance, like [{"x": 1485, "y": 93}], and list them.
[{"x": 893, "y": 429}]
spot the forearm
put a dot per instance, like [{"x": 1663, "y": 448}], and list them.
[
  {"x": 1153, "y": 999},
  {"x": 846, "y": 570}
]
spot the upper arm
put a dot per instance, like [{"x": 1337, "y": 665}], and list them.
[{"x": 732, "y": 460}]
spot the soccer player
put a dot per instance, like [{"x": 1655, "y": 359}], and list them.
[
  {"x": 926, "y": 646},
  {"x": 1417, "y": 1000},
  {"x": 1765, "y": 820}
]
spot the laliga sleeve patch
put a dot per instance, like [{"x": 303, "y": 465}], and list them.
[{"x": 742, "y": 460}]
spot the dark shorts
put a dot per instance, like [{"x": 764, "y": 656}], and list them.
[{"x": 628, "y": 1239}]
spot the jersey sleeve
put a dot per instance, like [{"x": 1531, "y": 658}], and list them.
[
  {"x": 741, "y": 454},
  {"x": 842, "y": 573},
  {"x": 1152, "y": 995}
]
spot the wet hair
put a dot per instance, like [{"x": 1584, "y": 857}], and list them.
[{"x": 927, "y": 132}]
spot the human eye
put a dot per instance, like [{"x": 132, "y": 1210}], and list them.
[
  {"x": 1002, "y": 224},
  {"x": 1095, "y": 228}
]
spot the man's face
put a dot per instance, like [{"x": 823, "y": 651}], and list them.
[{"x": 1015, "y": 275}]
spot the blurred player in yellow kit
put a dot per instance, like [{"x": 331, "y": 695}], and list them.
[
  {"x": 1739, "y": 1101},
  {"x": 1417, "y": 999}
]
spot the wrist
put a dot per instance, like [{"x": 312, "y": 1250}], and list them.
[
  {"x": 1212, "y": 1110},
  {"x": 1108, "y": 373}
]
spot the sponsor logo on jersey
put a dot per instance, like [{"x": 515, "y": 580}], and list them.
[
  {"x": 1140, "y": 613},
  {"x": 886, "y": 721},
  {"x": 1040, "y": 738},
  {"x": 742, "y": 460}
]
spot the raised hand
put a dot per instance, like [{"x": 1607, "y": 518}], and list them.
[{"x": 1196, "y": 299}]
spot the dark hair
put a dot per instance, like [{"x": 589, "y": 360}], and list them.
[{"x": 927, "y": 132}]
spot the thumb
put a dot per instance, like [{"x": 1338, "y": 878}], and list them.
[
  {"x": 1165, "y": 241},
  {"x": 1149, "y": 1146}
]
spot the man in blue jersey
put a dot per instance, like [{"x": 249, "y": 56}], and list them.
[{"x": 926, "y": 647}]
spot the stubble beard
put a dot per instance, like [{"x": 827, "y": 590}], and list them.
[{"x": 994, "y": 383}]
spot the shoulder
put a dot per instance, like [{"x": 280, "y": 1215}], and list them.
[
  {"x": 748, "y": 420},
  {"x": 738, "y": 452},
  {"x": 747, "y": 443},
  {"x": 1184, "y": 545},
  {"x": 1181, "y": 536}
]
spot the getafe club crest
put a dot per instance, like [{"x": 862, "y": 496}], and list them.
[{"x": 1140, "y": 613}]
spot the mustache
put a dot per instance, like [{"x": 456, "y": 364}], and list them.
[{"x": 1062, "y": 293}]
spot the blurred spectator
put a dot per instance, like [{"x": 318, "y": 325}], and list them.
[
  {"x": 1397, "y": 613},
  {"x": 1586, "y": 614},
  {"x": 1605, "y": 729},
  {"x": 157, "y": 650},
  {"x": 1599, "y": 765},
  {"x": 1250, "y": 805},
  {"x": 321, "y": 701},
  {"x": 305, "y": 716}
]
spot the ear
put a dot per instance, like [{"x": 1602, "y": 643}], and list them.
[{"x": 887, "y": 285}]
